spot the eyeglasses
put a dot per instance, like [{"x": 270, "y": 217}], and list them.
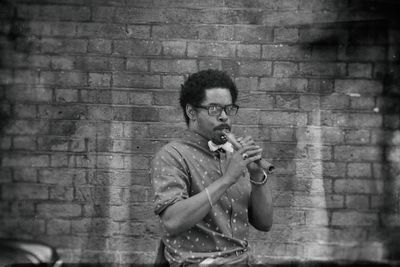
[{"x": 216, "y": 110}]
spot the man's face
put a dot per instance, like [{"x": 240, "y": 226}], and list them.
[{"x": 212, "y": 127}]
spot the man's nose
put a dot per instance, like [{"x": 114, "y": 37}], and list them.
[{"x": 223, "y": 116}]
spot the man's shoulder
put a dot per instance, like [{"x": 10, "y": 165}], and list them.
[{"x": 174, "y": 146}]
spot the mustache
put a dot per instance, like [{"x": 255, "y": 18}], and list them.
[{"x": 222, "y": 127}]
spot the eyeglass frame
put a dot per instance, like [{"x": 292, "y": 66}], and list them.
[{"x": 223, "y": 108}]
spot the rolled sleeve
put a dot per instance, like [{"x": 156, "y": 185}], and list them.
[{"x": 169, "y": 177}]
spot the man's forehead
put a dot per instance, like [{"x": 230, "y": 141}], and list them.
[{"x": 218, "y": 96}]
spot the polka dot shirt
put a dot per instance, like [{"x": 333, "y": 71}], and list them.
[{"x": 184, "y": 168}]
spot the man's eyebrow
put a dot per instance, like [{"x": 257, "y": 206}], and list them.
[{"x": 218, "y": 104}]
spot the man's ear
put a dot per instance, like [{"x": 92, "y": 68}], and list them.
[{"x": 191, "y": 112}]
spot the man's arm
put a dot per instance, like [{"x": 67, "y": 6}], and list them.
[
  {"x": 186, "y": 213},
  {"x": 261, "y": 208}
]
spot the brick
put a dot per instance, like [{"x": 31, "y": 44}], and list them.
[
  {"x": 134, "y": 80},
  {"x": 285, "y": 52},
  {"x": 66, "y": 95},
  {"x": 362, "y": 53},
  {"x": 320, "y": 135},
  {"x": 255, "y": 100},
  {"x": 63, "y": 177},
  {"x": 358, "y": 153},
  {"x": 138, "y": 31},
  {"x": 335, "y": 101},
  {"x": 282, "y": 135},
  {"x": 285, "y": 69},
  {"x": 246, "y": 83},
  {"x": 287, "y": 102},
  {"x": 288, "y": 216},
  {"x": 52, "y": 45},
  {"x": 352, "y": 86},
  {"x": 362, "y": 103},
  {"x": 99, "y": 80},
  {"x": 26, "y": 76},
  {"x": 257, "y": 68},
  {"x": 60, "y": 160},
  {"x": 286, "y": 35},
  {"x": 130, "y": 244},
  {"x": 283, "y": 84},
  {"x": 25, "y": 191},
  {"x": 360, "y": 70},
  {"x": 325, "y": 69},
  {"x": 215, "y": 32},
  {"x": 203, "y": 49},
  {"x": 90, "y": 63},
  {"x": 317, "y": 217},
  {"x": 166, "y": 98},
  {"x": 137, "y": 65},
  {"x": 139, "y": 15},
  {"x": 56, "y": 227},
  {"x": 357, "y": 137},
  {"x": 62, "y": 63},
  {"x": 99, "y": 194},
  {"x": 173, "y": 66},
  {"x": 24, "y": 143},
  {"x": 171, "y": 115},
  {"x": 102, "y": 46},
  {"x": 100, "y": 30},
  {"x": 71, "y": 112},
  {"x": 353, "y": 218},
  {"x": 358, "y": 186},
  {"x": 283, "y": 118},
  {"x": 249, "y": 51},
  {"x": 359, "y": 170},
  {"x": 6, "y": 76},
  {"x": 139, "y": 162},
  {"x": 63, "y": 29},
  {"x": 205, "y": 64},
  {"x": 29, "y": 127},
  {"x": 23, "y": 208},
  {"x": 63, "y": 78},
  {"x": 69, "y": 13},
  {"x": 93, "y": 225},
  {"x": 356, "y": 120},
  {"x": 253, "y": 33},
  {"x": 137, "y": 47},
  {"x": 174, "y": 48},
  {"x": 174, "y": 32},
  {"x": 24, "y": 111},
  {"x": 136, "y": 114},
  {"x": 357, "y": 202},
  {"x": 27, "y": 226},
  {"x": 172, "y": 82}
]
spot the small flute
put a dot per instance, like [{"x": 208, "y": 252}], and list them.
[{"x": 265, "y": 165}]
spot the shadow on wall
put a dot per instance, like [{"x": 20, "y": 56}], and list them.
[{"x": 379, "y": 32}]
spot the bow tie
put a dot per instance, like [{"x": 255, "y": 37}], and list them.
[{"x": 226, "y": 146}]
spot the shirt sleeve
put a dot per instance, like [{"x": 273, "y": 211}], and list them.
[{"x": 169, "y": 178}]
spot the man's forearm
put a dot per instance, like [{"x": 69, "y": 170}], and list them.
[
  {"x": 261, "y": 207},
  {"x": 186, "y": 213}
]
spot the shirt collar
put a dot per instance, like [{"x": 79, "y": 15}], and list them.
[{"x": 200, "y": 141}]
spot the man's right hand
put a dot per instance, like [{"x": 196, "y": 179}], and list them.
[{"x": 237, "y": 163}]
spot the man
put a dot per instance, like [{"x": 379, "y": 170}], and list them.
[{"x": 207, "y": 196}]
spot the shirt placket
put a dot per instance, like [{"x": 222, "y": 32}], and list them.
[{"x": 228, "y": 194}]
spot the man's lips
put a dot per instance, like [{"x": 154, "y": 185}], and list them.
[{"x": 223, "y": 128}]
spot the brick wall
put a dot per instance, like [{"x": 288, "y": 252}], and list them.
[{"x": 89, "y": 92}]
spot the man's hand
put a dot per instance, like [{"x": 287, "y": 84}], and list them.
[
  {"x": 256, "y": 172},
  {"x": 238, "y": 162}
]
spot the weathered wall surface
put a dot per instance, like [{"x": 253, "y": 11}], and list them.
[{"x": 89, "y": 92}]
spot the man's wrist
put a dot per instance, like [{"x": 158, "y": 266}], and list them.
[{"x": 263, "y": 180}]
